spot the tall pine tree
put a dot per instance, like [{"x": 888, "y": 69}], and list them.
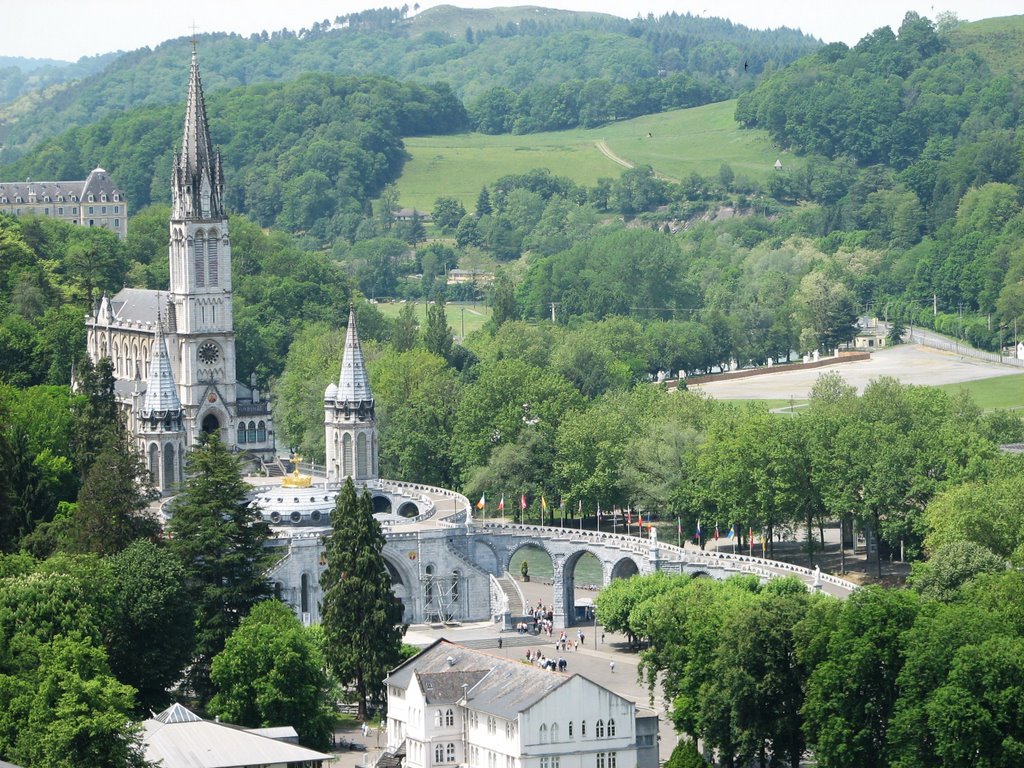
[
  {"x": 360, "y": 615},
  {"x": 219, "y": 539},
  {"x": 437, "y": 335}
]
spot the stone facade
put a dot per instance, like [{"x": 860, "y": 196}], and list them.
[
  {"x": 95, "y": 202},
  {"x": 194, "y": 319}
]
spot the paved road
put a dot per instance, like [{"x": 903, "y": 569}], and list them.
[{"x": 911, "y": 364}]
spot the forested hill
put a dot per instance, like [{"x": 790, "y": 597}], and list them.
[
  {"x": 306, "y": 155},
  {"x": 19, "y": 75},
  {"x": 473, "y": 50}
]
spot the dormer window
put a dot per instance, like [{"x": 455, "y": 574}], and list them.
[
  {"x": 18, "y": 199},
  {"x": 60, "y": 198},
  {"x": 92, "y": 198},
  {"x": 46, "y": 198},
  {"x": 103, "y": 197},
  {"x": 117, "y": 198}
]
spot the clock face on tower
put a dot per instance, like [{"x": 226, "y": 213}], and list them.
[{"x": 208, "y": 353}]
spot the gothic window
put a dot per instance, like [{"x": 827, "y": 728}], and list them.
[
  {"x": 154, "y": 462},
  {"x": 543, "y": 733},
  {"x": 346, "y": 455},
  {"x": 168, "y": 479},
  {"x": 361, "y": 456},
  {"x": 611, "y": 728},
  {"x": 241, "y": 433},
  {"x": 554, "y": 733},
  {"x": 570, "y": 729},
  {"x": 305, "y": 593},
  {"x": 211, "y": 249},
  {"x": 449, "y": 718},
  {"x": 450, "y": 753},
  {"x": 437, "y": 718},
  {"x": 599, "y": 729},
  {"x": 252, "y": 431},
  {"x": 583, "y": 727},
  {"x": 439, "y": 753},
  {"x": 261, "y": 432},
  {"x": 200, "y": 254}
]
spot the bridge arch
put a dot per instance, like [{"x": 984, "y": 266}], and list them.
[
  {"x": 404, "y": 583},
  {"x": 408, "y": 509},
  {"x": 381, "y": 505},
  {"x": 486, "y": 557},
  {"x": 624, "y": 568},
  {"x": 517, "y": 554}
]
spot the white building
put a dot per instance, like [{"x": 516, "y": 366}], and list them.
[
  {"x": 453, "y": 705},
  {"x": 95, "y": 202},
  {"x": 182, "y": 341},
  {"x": 178, "y": 738}
]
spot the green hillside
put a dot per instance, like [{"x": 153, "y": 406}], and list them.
[
  {"x": 675, "y": 144},
  {"x": 999, "y": 41}
]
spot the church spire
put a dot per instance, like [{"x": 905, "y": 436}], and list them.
[
  {"x": 353, "y": 384},
  {"x": 161, "y": 392},
  {"x": 197, "y": 177}
]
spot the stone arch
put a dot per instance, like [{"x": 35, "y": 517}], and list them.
[
  {"x": 408, "y": 509},
  {"x": 485, "y": 557},
  {"x": 625, "y": 568},
  {"x": 516, "y": 555},
  {"x": 210, "y": 423},
  {"x": 381, "y": 505},
  {"x": 568, "y": 585}
]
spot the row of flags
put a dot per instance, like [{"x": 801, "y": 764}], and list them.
[{"x": 730, "y": 535}]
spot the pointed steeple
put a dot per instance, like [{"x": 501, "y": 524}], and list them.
[
  {"x": 353, "y": 384},
  {"x": 197, "y": 184},
  {"x": 161, "y": 391}
]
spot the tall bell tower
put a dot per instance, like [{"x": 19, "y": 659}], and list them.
[
  {"x": 350, "y": 419},
  {"x": 200, "y": 318}
]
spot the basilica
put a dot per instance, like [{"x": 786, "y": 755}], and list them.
[{"x": 173, "y": 352}]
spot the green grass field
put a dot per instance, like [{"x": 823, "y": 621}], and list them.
[
  {"x": 998, "y": 392},
  {"x": 473, "y": 315},
  {"x": 674, "y": 143}
]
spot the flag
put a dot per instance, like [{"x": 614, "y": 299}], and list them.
[
  {"x": 599, "y": 512},
  {"x": 697, "y": 534},
  {"x": 483, "y": 501},
  {"x": 679, "y": 528},
  {"x": 501, "y": 504},
  {"x": 732, "y": 532},
  {"x": 522, "y": 501},
  {"x": 716, "y": 531},
  {"x": 750, "y": 541},
  {"x": 579, "y": 508},
  {"x": 543, "y": 504}
]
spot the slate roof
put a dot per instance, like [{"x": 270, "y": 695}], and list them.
[
  {"x": 502, "y": 687},
  {"x": 180, "y": 739},
  {"x": 354, "y": 383},
  {"x": 161, "y": 391},
  {"x": 97, "y": 184},
  {"x": 136, "y": 305}
]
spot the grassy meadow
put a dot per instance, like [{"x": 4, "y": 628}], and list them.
[
  {"x": 474, "y": 315},
  {"x": 675, "y": 144},
  {"x": 990, "y": 394}
]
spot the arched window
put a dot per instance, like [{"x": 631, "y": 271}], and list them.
[
  {"x": 252, "y": 432},
  {"x": 543, "y": 733},
  {"x": 570, "y": 729},
  {"x": 261, "y": 432},
  {"x": 200, "y": 258},
  {"x": 211, "y": 249},
  {"x": 346, "y": 455},
  {"x": 168, "y": 478},
  {"x": 449, "y": 718},
  {"x": 361, "y": 455},
  {"x": 611, "y": 728},
  {"x": 599, "y": 729},
  {"x": 154, "y": 463},
  {"x": 241, "y": 432},
  {"x": 456, "y": 578},
  {"x": 583, "y": 727},
  {"x": 437, "y": 718},
  {"x": 439, "y": 753},
  {"x": 554, "y": 733},
  {"x": 450, "y": 752},
  {"x": 305, "y": 593}
]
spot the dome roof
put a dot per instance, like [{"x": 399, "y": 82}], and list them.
[{"x": 331, "y": 393}]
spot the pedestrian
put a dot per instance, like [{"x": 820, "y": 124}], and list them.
[
  {"x": 499, "y": 643},
  {"x": 612, "y": 665},
  {"x": 602, "y": 638},
  {"x": 575, "y": 646},
  {"x": 365, "y": 730}
]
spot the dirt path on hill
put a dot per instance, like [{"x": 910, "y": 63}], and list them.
[{"x": 604, "y": 149}]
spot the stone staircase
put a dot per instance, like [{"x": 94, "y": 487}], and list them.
[{"x": 515, "y": 601}]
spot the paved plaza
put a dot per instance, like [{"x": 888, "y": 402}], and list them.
[{"x": 911, "y": 364}]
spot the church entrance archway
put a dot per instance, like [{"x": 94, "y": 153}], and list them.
[{"x": 210, "y": 423}]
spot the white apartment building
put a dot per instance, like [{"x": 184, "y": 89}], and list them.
[{"x": 452, "y": 706}]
